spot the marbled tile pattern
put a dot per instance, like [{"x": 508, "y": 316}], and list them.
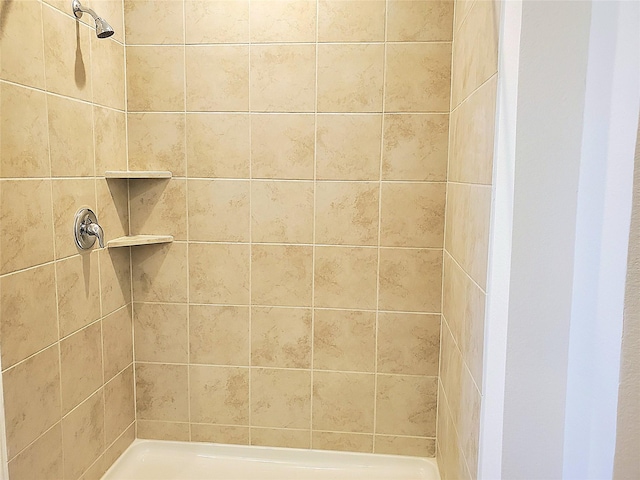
[
  {"x": 65, "y": 316},
  {"x": 301, "y": 143},
  {"x": 472, "y": 126},
  {"x": 309, "y": 145}
]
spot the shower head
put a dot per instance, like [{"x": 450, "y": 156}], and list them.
[{"x": 103, "y": 29}]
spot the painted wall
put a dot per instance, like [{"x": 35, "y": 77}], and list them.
[
  {"x": 300, "y": 304},
  {"x": 473, "y": 103},
  {"x": 563, "y": 235},
  {"x": 65, "y": 316}
]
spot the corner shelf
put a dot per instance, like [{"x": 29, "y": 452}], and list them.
[
  {"x": 135, "y": 240},
  {"x": 137, "y": 174}
]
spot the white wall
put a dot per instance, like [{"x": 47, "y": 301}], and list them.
[{"x": 566, "y": 168}]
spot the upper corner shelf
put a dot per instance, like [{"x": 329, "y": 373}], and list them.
[{"x": 137, "y": 174}]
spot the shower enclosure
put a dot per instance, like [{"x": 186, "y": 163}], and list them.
[{"x": 307, "y": 189}]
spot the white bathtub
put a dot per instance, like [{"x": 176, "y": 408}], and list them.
[{"x": 159, "y": 460}]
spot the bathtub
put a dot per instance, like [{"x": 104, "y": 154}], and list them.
[{"x": 161, "y": 460}]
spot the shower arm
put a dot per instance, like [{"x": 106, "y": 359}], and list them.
[{"x": 78, "y": 10}]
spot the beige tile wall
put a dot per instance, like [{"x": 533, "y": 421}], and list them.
[
  {"x": 300, "y": 303},
  {"x": 65, "y": 319},
  {"x": 474, "y": 77}
]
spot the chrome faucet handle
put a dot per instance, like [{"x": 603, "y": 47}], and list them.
[
  {"x": 95, "y": 230},
  {"x": 86, "y": 229}
]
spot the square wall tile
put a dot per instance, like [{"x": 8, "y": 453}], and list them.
[
  {"x": 280, "y": 437},
  {"x": 156, "y": 142},
  {"x": 475, "y": 57},
  {"x": 280, "y": 398},
  {"x": 467, "y": 230},
  {"x": 216, "y": 21},
  {"x": 281, "y": 275},
  {"x": 356, "y": 86},
  {"x": 219, "y": 335},
  {"x": 283, "y": 77},
  {"x": 23, "y": 204},
  {"x": 217, "y": 78},
  {"x": 412, "y": 214},
  {"x": 110, "y": 138},
  {"x": 348, "y": 147},
  {"x": 29, "y": 319},
  {"x": 78, "y": 283},
  {"x": 415, "y": 147},
  {"x": 22, "y": 45},
  {"x": 69, "y": 195},
  {"x": 463, "y": 308},
  {"x": 413, "y": 446},
  {"x": 219, "y": 395},
  {"x": 345, "y": 442},
  {"x": 42, "y": 459},
  {"x": 345, "y": 21},
  {"x": 282, "y": 212},
  {"x": 343, "y": 402},
  {"x": 345, "y": 277},
  {"x": 107, "y": 69},
  {"x": 282, "y": 146},
  {"x": 117, "y": 342},
  {"x": 80, "y": 365},
  {"x": 31, "y": 398},
  {"x": 83, "y": 434},
  {"x": 162, "y": 392},
  {"x": 219, "y": 273},
  {"x": 418, "y": 77},
  {"x": 408, "y": 343},
  {"x": 172, "y": 431},
  {"x": 153, "y": 22},
  {"x": 161, "y": 332},
  {"x": 115, "y": 278},
  {"x": 24, "y": 145},
  {"x": 113, "y": 207},
  {"x": 219, "y": 210},
  {"x": 219, "y": 434},
  {"x": 160, "y": 273},
  {"x": 344, "y": 340},
  {"x": 283, "y": 21},
  {"x": 410, "y": 280},
  {"x": 67, "y": 55},
  {"x": 347, "y": 213},
  {"x": 218, "y": 145},
  {"x": 148, "y": 91},
  {"x": 281, "y": 337},
  {"x": 420, "y": 21},
  {"x": 406, "y": 405},
  {"x": 70, "y": 137},
  {"x": 159, "y": 207},
  {"x": 119, "y": 405},
  {"x": 472, "y": 134}
]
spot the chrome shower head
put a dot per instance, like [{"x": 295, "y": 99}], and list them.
[{"x": 103, "y": 29}]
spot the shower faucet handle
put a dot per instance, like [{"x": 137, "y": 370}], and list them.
[{"x": 86, "y": 229}]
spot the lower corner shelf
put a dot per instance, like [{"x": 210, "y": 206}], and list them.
[{"x": 134, "y": 240}]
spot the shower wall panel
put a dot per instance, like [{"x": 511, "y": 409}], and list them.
[
  {"x": 474, "y": 79},
  {"x": 300, "y": 304},
  {"x": 65, "y": 320}
]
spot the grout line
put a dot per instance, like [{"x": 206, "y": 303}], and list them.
[
  {"x": 284, "y": 44},
  {"x": 249, "y": 112},
  {"x": 313, "y": 233},
  {"x": 379, "y": 233}
]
